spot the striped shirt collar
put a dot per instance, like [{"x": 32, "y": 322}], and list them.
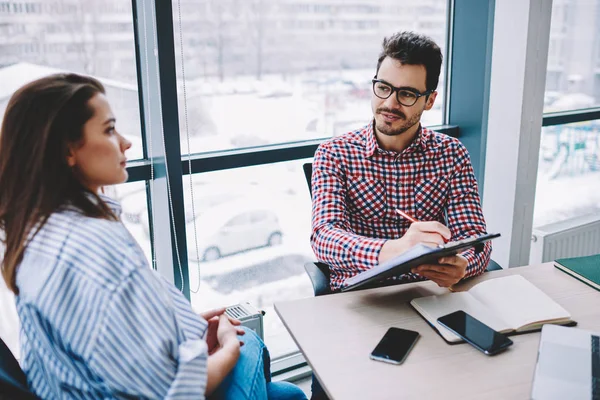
[
  {"x": 112, "y": 204},
  {"x": 372, "y": 146}
]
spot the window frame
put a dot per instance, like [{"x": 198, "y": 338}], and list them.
[
  {"x": 568, "y": 117},
  {"x": 157, "y": 90}
]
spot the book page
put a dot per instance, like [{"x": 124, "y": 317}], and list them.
[
  {"x": 518, "y": 301},
  {"x": 433, "y": 307}
]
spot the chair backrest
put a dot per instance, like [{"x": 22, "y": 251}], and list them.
[
  {"x": 307, "y": 167},
  {"x": 317, "y": 272},
  {"x": 13, "y": 382}
]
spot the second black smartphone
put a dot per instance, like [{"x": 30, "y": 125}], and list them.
[
  {"x": 395, "y": 345},
  {"x": 475, "y": 332}
]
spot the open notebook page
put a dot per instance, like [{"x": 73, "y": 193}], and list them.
[
  {"x": 433, "y": 307},
  {"x": 518, "y": 301}
]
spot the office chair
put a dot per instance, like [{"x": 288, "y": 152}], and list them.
[
  {"x": 318, "y": 272},
  {"x": 13, "y": 383}
]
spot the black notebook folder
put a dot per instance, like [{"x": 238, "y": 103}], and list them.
[{"x": 415, "y": 256}]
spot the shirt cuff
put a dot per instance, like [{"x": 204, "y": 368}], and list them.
[
  {"x": 366, "y": 253},
  {"x": 473, "y": 260}
]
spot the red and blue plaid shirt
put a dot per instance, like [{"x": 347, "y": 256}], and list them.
[{"x": 357, "y": 186}]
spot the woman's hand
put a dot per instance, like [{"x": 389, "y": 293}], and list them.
[
  {"x": 214, "y": 322},
  {"x": 224, "y": 357},
  {"x": 226, "y": 331},
  {"x": 207, "y": 315}
]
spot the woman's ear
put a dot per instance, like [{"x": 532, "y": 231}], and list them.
[{"x": 71, "y": 157}]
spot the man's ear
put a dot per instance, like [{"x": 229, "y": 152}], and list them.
[{"x": 430, "y": 100}]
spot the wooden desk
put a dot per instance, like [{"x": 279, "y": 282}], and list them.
[{"x": 337, "y": 332}]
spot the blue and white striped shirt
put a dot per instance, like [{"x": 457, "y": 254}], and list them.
[{"x": 97, "y": 322}]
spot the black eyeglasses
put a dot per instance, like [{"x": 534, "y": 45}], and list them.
[{"x": 406, "y": 97}]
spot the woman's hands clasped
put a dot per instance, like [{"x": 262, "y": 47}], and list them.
[{"x": 221, "y": 329}]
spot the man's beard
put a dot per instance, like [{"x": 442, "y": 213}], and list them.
[{"x": 387, "y": 130}]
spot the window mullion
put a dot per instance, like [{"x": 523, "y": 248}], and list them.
[{"x": 157, "y": 71}]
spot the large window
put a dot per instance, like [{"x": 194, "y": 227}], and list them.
[
  {"x": 569, "y": 159},
  {"x": 93, "y": 37},
  {"x": 248, "y": 239},
  {"x": 573, "y": 77},
  {"x": 257, "y": 84},
  {"x": 254, "y": 73},
  {"x": 257, "y": 72},
  {"x": 569, "y": 172}
]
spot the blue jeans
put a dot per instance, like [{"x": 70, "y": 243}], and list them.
[{"x": 251, "y": 376}]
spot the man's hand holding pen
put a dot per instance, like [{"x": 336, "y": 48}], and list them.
[{"x": 448, "y": 271}]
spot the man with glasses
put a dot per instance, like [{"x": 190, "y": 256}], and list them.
[{"x": 363, "y": 178}]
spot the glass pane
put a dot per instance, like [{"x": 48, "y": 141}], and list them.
[
  {"x": 273, "y": 71},
  {"x": 92, "y": 37},
  {"x": 134, "y": 202},
  {"x": 573, "y": 77},
  {"x": 250, "y": 241},
  {"x": 569, "y": 173}
]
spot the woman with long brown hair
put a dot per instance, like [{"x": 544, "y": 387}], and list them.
[{"x": 96, "y": 321}]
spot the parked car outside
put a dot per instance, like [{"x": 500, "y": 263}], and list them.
[{"x": 231, "y": 229}]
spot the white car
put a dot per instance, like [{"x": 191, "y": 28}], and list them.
[{"x": 229, "y": 230}]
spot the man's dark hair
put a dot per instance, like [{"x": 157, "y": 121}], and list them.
[{"x": 414, "y": 49}]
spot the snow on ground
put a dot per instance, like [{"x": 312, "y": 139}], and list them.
[{"x": 566, "y": 197}]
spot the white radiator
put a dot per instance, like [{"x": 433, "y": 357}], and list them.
[
  {"x": 574, "y": 237},
  {"x": 249, "y": 316}
]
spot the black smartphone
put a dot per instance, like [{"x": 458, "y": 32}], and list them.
[
  {"x": 475, "y": 332},
  {"x": 395, "y": 345}
]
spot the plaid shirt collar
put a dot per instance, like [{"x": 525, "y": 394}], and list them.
[{"x": 372, "y": 146}]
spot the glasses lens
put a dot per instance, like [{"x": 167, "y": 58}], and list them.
[
  {"x": 407, "y": 97},
  {"x": 382, "y": 90}
]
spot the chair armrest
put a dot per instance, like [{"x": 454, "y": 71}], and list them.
[
  {"x": 493, "y": 266},
  {"x": 13, "y": 382},
  {"x": 319, "y": 277}
]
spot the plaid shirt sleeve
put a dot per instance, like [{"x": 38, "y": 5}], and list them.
[
  {"x": 465, "y": 217},
  {"x": 332, "y": 239}
]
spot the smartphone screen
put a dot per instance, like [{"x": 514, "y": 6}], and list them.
[
  {"x": 475, "y": 332},
  {"x": 395, "y": 345}
]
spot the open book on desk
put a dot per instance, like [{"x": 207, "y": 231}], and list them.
[
  {"x": 413, "y": 257},
  {"x": 509, "y": 304}
]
